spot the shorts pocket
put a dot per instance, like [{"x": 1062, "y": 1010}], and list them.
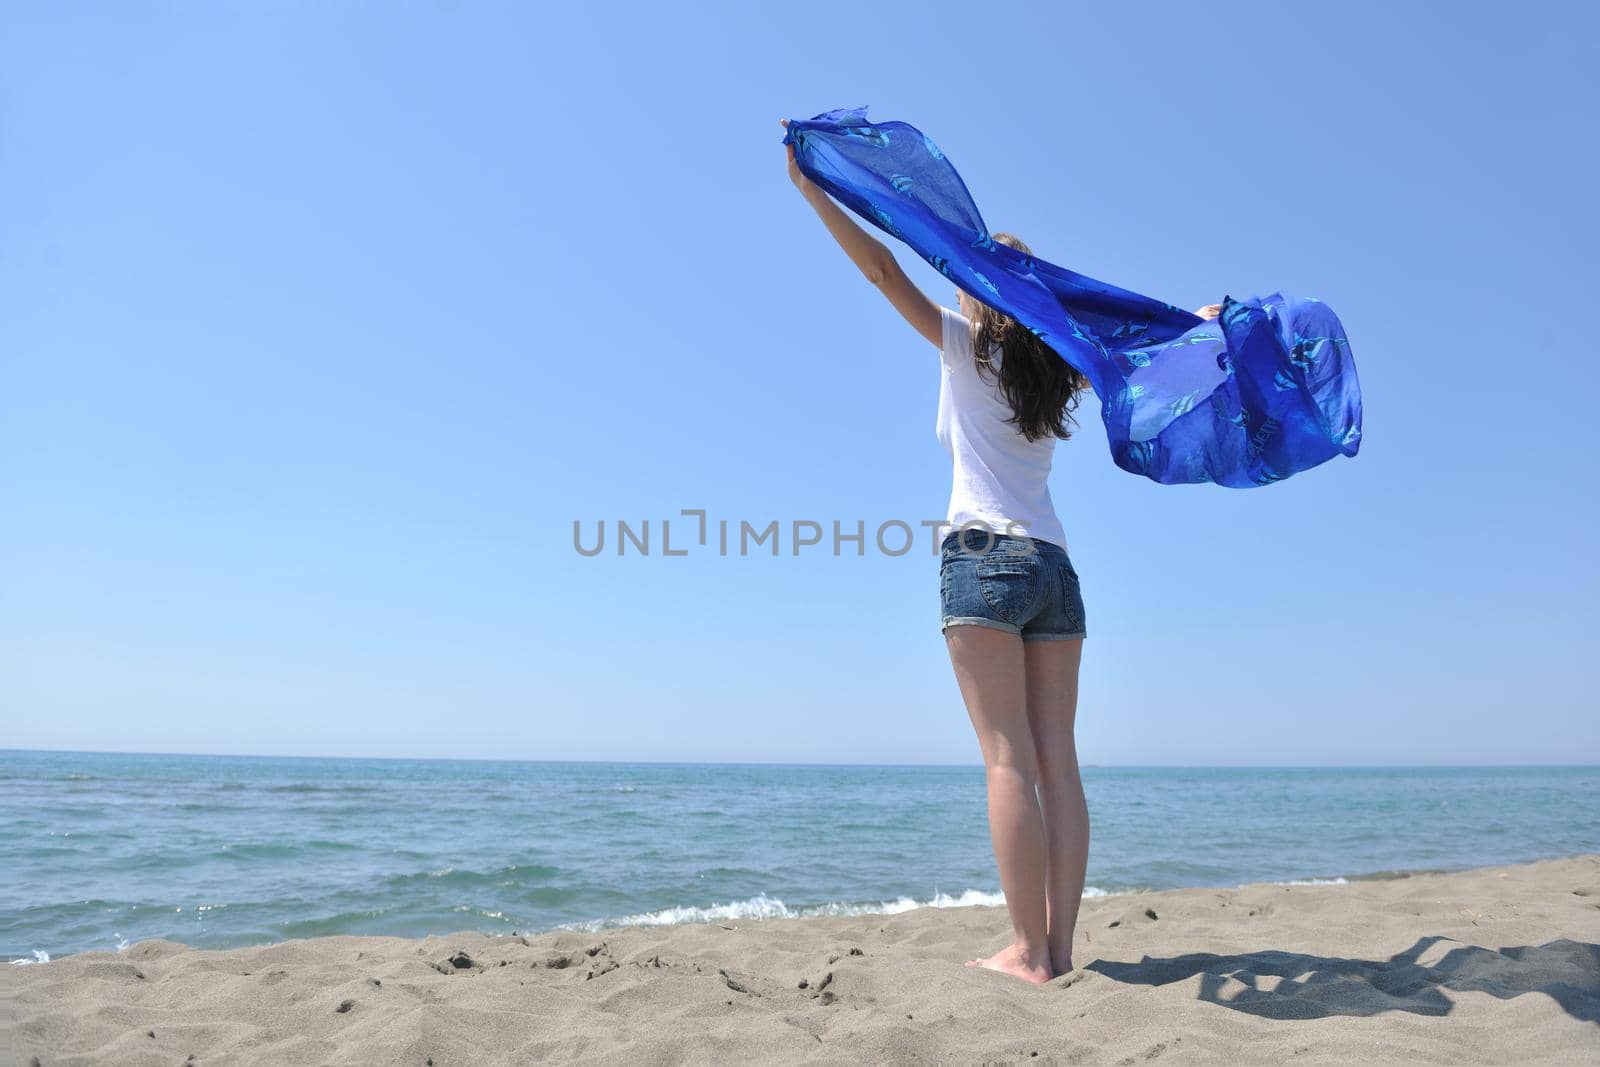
[
  {"x": 1071, "y": 596},
  {"x": 1009, "y": 586}
]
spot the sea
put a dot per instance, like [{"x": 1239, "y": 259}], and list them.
[{"x": 99, "y": 850}]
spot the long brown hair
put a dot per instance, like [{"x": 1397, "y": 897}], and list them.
[{"x": 1042, "y": 388}]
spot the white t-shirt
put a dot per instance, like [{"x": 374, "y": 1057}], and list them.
[{"x": 1000, "y": 477}]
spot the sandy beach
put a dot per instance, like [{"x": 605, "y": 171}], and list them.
[{"x": 1489, "y": 966}]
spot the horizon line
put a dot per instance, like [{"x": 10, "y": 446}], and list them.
[{"x": 786, "y": 763}]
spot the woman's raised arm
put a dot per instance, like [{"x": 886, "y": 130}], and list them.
[{"x": 871, "y": 256}]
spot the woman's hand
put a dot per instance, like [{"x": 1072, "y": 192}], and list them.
[
  {"x": 801, "y": 182},
  {"x": 1210, "y": 311}
]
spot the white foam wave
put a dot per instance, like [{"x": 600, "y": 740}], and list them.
[
  {"x": 762, "y": 906},
  {"x": 1315, "y": 881},
  {"x": 39, "y": 956}
]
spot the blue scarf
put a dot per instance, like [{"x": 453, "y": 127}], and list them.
[{"x": 1264, "y": 391}]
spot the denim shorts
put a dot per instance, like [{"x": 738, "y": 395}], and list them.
[{"x": 1021, "y": 585}]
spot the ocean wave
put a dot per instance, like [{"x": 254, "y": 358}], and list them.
[
  {"x": 258, "y": 850},
  {"x": 762, "y": 906},
  {"x": 39, "y": 955},
  {"x": 312, "y": 787},
  {"x": 530, "y": 875}
]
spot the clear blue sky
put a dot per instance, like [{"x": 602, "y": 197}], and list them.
[{"x": 320, "y": 326}]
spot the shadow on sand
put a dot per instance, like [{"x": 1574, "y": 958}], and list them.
[{"x": 1315, "y": 987}]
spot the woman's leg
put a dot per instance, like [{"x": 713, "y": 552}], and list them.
[
  {"x": 1052, "y": 688},
  {"x": 990, "y": 668}
]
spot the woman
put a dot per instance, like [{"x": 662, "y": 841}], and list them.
[{"x": 1013, "y": 617}]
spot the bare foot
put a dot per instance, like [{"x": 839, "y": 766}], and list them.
[{"x": 1017, "y": 961}]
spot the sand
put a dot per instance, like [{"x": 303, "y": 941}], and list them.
[{"x": 1497, "y": 965}]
